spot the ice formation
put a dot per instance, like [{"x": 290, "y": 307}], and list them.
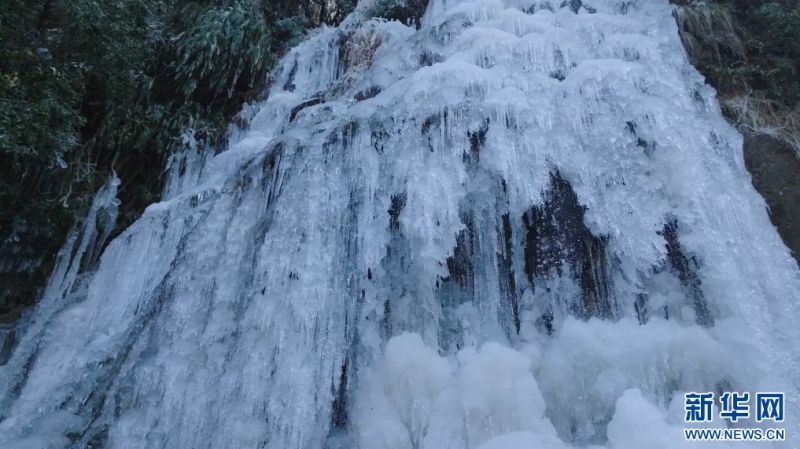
[{"x": 522, "y": 225}]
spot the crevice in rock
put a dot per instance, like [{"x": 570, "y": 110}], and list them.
[
  {"x": 398, "y": 203},
  {"x": 349, "y": 132},
  {"x": 367, "y": 93},
  {"x": 477, "y": 139},
  {"x": 378, "y": 136},
  {"x": 428, "y": 58},
  {"x": 339, "y": 415},
  {"x": 386, "y": 321},
  {"x": 289, "y": 85},
  {"x": 576, "y": 5},
  {"x": 545, "y": 322},
  {"x": 640, "y": 308},
  {"x": 460, "y": 266},
  {"x": 308, "y": 103},
  {"x": 557, "y": 241},
  {"x": 505, "y": 268},
  {"x": 458, "y": 287},
  {"x": 685, "y": 269}
]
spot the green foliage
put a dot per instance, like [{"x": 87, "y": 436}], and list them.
[
  {"x": 408, "y": 12},
  {"x": 224, "y": 46},
  {"x": 38, "y": 116},
  {"x": 746, "y": 47},
  {"x": 91, "y": 86},
  {"x": 51, "y": 72},
  {"x": 782, "y": 26}
]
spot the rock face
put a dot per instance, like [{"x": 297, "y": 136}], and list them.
[
  {"x": 776, "y": 175},
  {"x": 747, "y": 50}
]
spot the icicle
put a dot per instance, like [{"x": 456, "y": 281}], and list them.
[
  {"x": 79, "y": 254},
  {"x": 185, "y": 167}
]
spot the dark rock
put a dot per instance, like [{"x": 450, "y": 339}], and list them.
[
  {"x": 367, "y": 93},
  {"x": 477, "y": 139},
  {"x": 640, "y": 307},
  {"x": 685, "y": 268},
  {"x": 558, "y": 241},
  {"x": 8, "y": 336},
  {"x": 339, "y": 415},
  {"x": 349, "y": 131},
  {"x": 289, "y": 85},
  {"x": 505, "y": 270},
  {"x": 428, "y": 58},
  {"x": 460, "y": 265},
  {"x": 545, "y": 323},
  {"x": 398, "y": 203},
  {"x": 558, "y": 75},
  {"x": 303, "y": 105},
  {"x": 776, "y": 175},
  {"x": 574, "y": 5},
  {"x": 378, "y": 135}
]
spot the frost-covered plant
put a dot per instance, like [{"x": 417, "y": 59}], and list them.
[
  {"x": 88, "y": 86},
  {"x": 783, "y": 22},
  {"x": 407, "y": 11},
  {"x": 748, "y": 50},
  {"x": 225, "y": 47},
  {"x": 708, "y": 24},
  {"x": 758, "y": 114}
]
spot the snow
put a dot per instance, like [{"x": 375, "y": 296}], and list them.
[{"x": 395, "y": 240}]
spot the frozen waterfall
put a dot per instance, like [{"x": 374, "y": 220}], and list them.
[{"x": 522, "y": 225}]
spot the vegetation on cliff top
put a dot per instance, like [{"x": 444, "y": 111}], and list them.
[
  {"x": 749, "y": 50},
  {"x": 88, "y": 86}
]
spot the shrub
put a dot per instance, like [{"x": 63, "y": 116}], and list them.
[
  {"x": 91, "y": 86},
  {"x": 409, "y": 12}
]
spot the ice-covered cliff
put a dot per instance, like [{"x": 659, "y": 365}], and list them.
[{"x": 524, "y": 224}]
